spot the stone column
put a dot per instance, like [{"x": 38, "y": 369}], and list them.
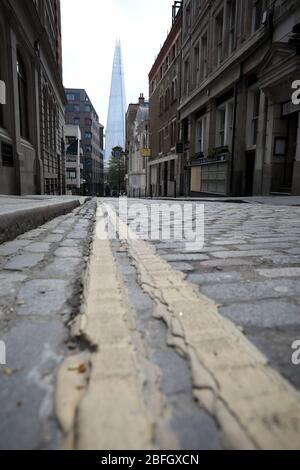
[
  {"x": 268, "y": 153},
  {"x": 260, "y": 147}
]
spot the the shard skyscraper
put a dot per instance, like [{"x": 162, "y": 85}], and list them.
[{"x": 115, "y": 129}]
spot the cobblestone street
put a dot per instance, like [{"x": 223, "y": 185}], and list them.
[
  {"x": 40, "y": 288},
  {"x": 128, "y": 354}
]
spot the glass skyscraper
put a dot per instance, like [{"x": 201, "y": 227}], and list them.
[{"x": 115, "y": 129}]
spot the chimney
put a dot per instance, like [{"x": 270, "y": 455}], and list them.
[{"x": 141, "y": 100}]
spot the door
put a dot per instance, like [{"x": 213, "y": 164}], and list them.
[{"x": 250, "y": 166}]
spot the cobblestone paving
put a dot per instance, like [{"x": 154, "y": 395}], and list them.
[
  {"x": 40, "y": 284},
  {"x": 250, "y": 265}
]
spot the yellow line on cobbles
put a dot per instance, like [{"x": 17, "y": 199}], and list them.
[{"x": 110, "y": 413}]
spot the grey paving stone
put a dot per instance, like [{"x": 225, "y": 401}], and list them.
[
  {"x": 53, "y": 238},
  {"x": 279, "y": 272},
  {"x": 263, "y": 246},
  {"x": 215, "y": 277},
  {"x": 253, "y": 290},
  {"x": 224, "y": 242},
  {"x": 24, "y": 261},
  {"x": 27, "y": 420},
  {"x": 294, "y": 251},
  {"x": 264, "y": 314},
  {"x": 11, "y": 248},
  {"x": 68, "y": 252},
  {"x": 9, "y": 282},
  {"x": 33, "y": 234},
  {"x": 228, "y": 263},
  {"x": 78, "y": 235},
  {"x": 282, "y": 259},
  {"x": 60, "y": 269},
  {"x": 242, "y": 254},
  {"x": 43, "y": 297},
  {"x": 183, "y": 267},
  {"x": 185, "y": 257},
  {"x": 38, "y": 247},
  {"x": 71, "y": 242},
  {"x": 274, "y": 239}
]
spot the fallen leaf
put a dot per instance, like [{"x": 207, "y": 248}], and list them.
[
  {"x": 82, "y": 369},
  {"x": 8, "y": 371}
]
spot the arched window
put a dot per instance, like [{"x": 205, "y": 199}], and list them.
[{"x": 23, "y": 97}]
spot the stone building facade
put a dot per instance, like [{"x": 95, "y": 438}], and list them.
[
  {"x": 165, "y": 165},
  {"x": 81, "y": 112},
  {"x": 137, "y": 138},
  {"x": 239, "y": 130},
  {"x": 32, "y": 159}
]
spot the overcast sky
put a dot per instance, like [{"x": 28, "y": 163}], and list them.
[{"x": 90, "y": 29}]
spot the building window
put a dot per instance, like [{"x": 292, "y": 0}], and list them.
[
  {"x": 88, "y": 135},
  {"x": 197, "y": 7},
  {"x": 196, "y": 72},
  {"x": 232, "y": 26},
  {"x": 219, "y": 37},
  {"x": 88, "y": 122},
  {"x": 224, "y": 124},
  {"x": 73, "y": 96},
  {"x": 257, "y": 14},
  {"x": 167, "y": 99},
  {"x": 87, "y": 108},
  {"x": 88, "y": 149},
  {"x": 161, "y": 105},
  {"x": 200, "y": 135},
  {"x": 255, "y": 117},
  {"x": 187, "y": 18},
  {"x": 186, "y": 83},
  {"x": 204, "y": 53},
  {"x": 23, "y": 97},
  {"x": 160, "y": 140},
  {"x": 71, "y": 174},
  {"x": 73, "y": 108},
  {"x": 173, "y": 133},
  {"x": 76, "y": 121},
  {"x": 174, "y": 90}
]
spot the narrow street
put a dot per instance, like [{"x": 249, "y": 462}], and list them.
[{"x": 129, "y": 343}]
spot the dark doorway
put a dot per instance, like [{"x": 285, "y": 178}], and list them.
[
  {"x": 165, "y": 189},
  {"x": 250, "y": 166}
]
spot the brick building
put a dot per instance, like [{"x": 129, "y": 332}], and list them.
[
  {"x": 32, "y": 157},
  {"x": 165, "y": 165},
  {"x": 240, "y": 130},
  {"x": 81, "y": 112}
]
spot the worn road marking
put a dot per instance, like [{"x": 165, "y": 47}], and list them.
[
  {"x": 255, "y": 407},
  {"x": 111, "y": 414}
]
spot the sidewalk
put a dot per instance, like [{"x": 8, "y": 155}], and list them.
[{"x": 21, "y": 214}]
